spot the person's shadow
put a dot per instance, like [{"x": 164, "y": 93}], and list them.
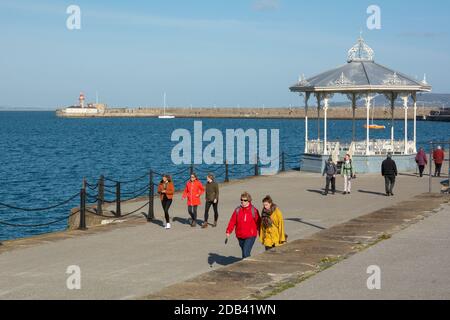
[
  {"x": 181, "y": 220},
  {"x": 372, "y": 192},
  {"x": 157, "y": 222},
  {"x": 316, "y": 191},
  {"x": 221, "y": 260}
]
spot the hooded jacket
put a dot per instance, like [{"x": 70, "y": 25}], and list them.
[
  {"x": 273, "y": 235},
  {"x": 246, "y": 226},
  {"x": 421, "y": 158},
  {"x": 438, "y": 156},
  {"x": 192, "y": 192}
]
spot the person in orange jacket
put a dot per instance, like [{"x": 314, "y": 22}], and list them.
[
  {"x": 193, "y": 191},
  {"x": 166, "y": 190},
  {"x": 247, "y": 221}
]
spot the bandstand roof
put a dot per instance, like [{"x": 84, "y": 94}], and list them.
[{"x": 361, "y": 74}]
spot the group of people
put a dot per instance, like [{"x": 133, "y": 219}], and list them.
[
  {"x": 330, "y": 171},
  {"x": 438, "y": 158},
  {"x": 246, "y": 219},
  {"x": 192, "y": 192},
  {"x": 388, "y": 171}
]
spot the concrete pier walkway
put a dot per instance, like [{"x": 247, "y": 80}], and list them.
[
  {"x": 138, "y": 259},
  {"x": 407, "y": 271}
]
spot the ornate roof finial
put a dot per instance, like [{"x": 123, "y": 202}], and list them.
[
  {"x": 360, "y": 51},
  {"x": 424, "y": 81},
  {"x": 302, "y": 81}
]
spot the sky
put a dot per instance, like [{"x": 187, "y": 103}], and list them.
[{"x": 205, "y": 53}]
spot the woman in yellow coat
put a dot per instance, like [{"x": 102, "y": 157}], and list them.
[{"x": 272, "y": 225}]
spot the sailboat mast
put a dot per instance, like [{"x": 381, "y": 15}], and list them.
[{"x": 164, "y": 103}]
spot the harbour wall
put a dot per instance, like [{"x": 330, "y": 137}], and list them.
[{"x": 255, "y": 113}]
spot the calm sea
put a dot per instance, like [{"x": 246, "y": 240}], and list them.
[{"x": 44, "y": 158}]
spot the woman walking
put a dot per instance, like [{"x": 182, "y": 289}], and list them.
[
  {"x": 166, "y": 190},
  {"x": 212, "y": 199},
  {"x": 193, "y": 191},
  {"x": 272, "y": 225},
  {"x": 246, "y": 220},
  {"x": 348, "y": 174},
  {"x": 421, "y": 160}
]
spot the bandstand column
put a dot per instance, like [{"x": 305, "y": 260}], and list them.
[
  {"x": 405, "y": 107},
  {"x": 368, "y": 100},
  {"x": 318, "y": 117},
  {"x": 325, "y": 125},
  {"x": 354, "y": 117},
  {"x": 307, "y": 94},
  {"x": 393, "y": 119},
  {"x": 415, "y": 122}
]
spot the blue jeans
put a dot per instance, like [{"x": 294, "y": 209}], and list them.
[{"x": 246, "y": 246}]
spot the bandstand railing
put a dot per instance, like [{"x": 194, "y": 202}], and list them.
[{"x": 359, "y": 148}]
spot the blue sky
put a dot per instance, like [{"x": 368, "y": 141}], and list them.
[{"x": 205, "y": 53}]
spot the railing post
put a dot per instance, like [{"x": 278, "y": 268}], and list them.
[
  {"x": 283, "y": 168},
  {"x": 118, "y": 208},
  {"x": 431, "y": 166},
  {"x": 82, "y": 225},
  {"x": 256, "y": 167},
  {"x": 191, "y": 171},
  {"x": 448, "y": 158},
  {"x": 101, "y": 194},
  {"x": 227, "y": 179},
  {"x": 151, "y": 195}
]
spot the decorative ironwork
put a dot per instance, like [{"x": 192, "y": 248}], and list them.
[
  {"x": 303, "y": 82},
  {"x": 342, "y": 81},
  {"x": 393, "y": 80},
  {"x": 360, "y": 52}
]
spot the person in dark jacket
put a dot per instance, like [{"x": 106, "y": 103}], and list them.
[
  {"x": 389, "y": 172},
  {"x": 212, "y": 199},
  {"x": 330, "y": 171},
  {"x": 247, "y": 222}
]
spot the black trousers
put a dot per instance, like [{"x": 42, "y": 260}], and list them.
[
  {"x": 166, "y": 203},
  {"x": 193, "y": 212},
  {"x": 437, "y": 171},
  {"x": 389, "y": 183},
  {"x": 208, "y": 205},
  {"x": 331, "y": 179},
  {"x": 421, "y": 169}
]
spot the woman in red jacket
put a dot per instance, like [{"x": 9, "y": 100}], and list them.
[
  {"x": 194, "y": 189},
  {"x": 438, "y": 157},
  {"x": 246, "y": 220}
]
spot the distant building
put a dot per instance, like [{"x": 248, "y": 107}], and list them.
[{"x": 82, "y": 109}]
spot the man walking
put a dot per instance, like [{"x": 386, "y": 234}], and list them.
[
  {"x": 438, "y": 157},
  {"x": 330, "y": 170},
  {"x": 389, "y": 172}
]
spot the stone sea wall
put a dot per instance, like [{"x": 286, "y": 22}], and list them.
[{"x": 271, "y": 113}]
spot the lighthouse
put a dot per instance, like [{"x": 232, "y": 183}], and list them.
[{"x": 81, "y": 99}]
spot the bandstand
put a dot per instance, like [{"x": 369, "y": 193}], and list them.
[{"x": 360, "y": 78}]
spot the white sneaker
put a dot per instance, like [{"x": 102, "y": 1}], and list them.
[{"x": 167, "y": 225}]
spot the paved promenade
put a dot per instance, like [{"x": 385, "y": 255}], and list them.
[
  {"x": 139, "y": 259},
  {"x": 418, "y": 271}
]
